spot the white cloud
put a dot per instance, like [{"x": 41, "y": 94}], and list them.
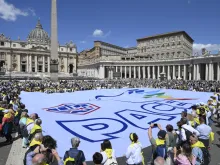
[
  {"x": 9, "y": 12},
  {"x": 100, "y": 33},
  {"x": 208, "y": 47},
  {"x": 82, "y": 42}
]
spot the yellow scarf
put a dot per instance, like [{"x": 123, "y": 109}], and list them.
[
  {"x": 198, "y": 144},
  {"x": 196, "y": 119},
  {"x": 35, "y": 142},
  {"x": 108, "y": 153},
  {"x": 160, "y": 142}
]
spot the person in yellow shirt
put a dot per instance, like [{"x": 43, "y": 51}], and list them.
[
  {"x": 199, "y": 150},
  {"x": 158, "y": 143},
  {"x": 36, "y": 129}
]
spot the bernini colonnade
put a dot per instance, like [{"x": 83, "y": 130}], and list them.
[{"x": 200, "y": 68}]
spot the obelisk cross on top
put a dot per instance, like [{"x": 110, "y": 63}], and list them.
[{"x": 54, "y": 60}]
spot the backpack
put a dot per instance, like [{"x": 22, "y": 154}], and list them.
[
  {"x": 111, "y": 161},
  {"x": 161, "y": 151},
  {"x": 206, "y": 156},
  {"x": 188, "y": 134},
  {"x": 72, "y": 161}
]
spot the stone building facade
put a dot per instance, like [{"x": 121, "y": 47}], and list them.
[
  {"x": 32, "y": 57},
  {"x": 168, "y": 54}
]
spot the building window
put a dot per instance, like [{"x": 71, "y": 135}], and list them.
[
  {"x": 71, "y": 49},
  {"x": 23, "y": 68},
  {"x": 40, "y": 68},
  {"x": 14, "y": 45},
  {"x": 23, "y": 46},
  {"x": 2, "y": 43},
  {"x": 46, "y": 69},
  {"x": 61, "y": 49},
  {"x": 33, "y": 69}
]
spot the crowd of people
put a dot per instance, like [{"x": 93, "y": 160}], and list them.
[
  {"x": 71, "y": 86},
  {"x": 189, "y": 144}
]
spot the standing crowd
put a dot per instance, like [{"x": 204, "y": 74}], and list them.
[{"x": 189, "y": 144}]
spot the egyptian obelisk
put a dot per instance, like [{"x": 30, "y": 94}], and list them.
[{"x": 54, "y": 60}]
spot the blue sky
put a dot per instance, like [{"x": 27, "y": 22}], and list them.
[{"x": 118, "y": 22}]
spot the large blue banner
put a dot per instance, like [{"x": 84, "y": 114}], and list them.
[{"x": 108, "y": 114}]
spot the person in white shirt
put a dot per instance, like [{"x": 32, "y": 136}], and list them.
[
  {"x": 204, "y": 131},
  {"x": 134, "y": 151},
  {"x": 184, "y": 127},
  {"x": 107, "y": 151}
]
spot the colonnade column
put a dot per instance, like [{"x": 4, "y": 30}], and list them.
[
  {"x": 158, "y": 72},
  {"x": 102, "y": 71},
  {"x": 194, "y": 72},
  {"x": 206, "y": 72},
  {"x": 154, "y": 76},
  {"x": 48, "y": 64},
  {"x": 125, "y": 71},
  {"x": 174, "y": 72},
  {"x": 134, "y": 71},
  {"x": 30, "y": 63},
  {"x": 144, "y": 74},
  {"x": 148, "y": 72},
  {"x": 27, "y": 63},
  {"x": 35, "y": 63},
  {"x": 218, "y": 71},
  {"x": 184, "y": 72},
  {"x": 43, "y": 68},
  {"x": 168, "y": 72},
  {"x": 198, "y": 71},
  {"x": 129, "y": 71},
  {"x": 190, "y": 72},
  {"x": 179, "y": 74},
  {"x": 210, "y": 71}
]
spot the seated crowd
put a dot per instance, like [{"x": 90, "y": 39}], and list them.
[{"x": 189, "y": 144}]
